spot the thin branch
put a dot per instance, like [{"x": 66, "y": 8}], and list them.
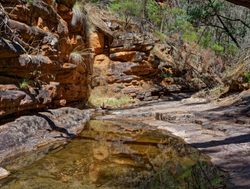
[
  {"x": 235, "y": 20},
  {"x": 224, "y": 25}
]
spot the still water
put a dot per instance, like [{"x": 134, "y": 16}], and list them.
[{"x": 114, "y": 154}]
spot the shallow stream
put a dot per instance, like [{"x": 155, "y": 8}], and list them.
[{"x": 114, "y": 154}]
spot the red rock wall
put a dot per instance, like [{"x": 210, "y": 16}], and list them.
[
  {"x": 129, "y": 65},
  {"x": 44, "y": 74}
]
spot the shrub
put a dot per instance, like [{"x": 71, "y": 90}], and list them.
[
  {"x": 76, "y": 57},
  {"x": 79, "y": 55},
  {"x": 100, "y": 97},
  {"x": 154, "y": 12},
  {"x": 166, "y": 75},
  {"x": 217, "y": 48},
  {"x": 160, "y": 35},
  {"x": 190, "y": 36},
  {"x": 247, "y": 77},
  {"x": 29, "y": 1},
  {"x": 126, "y": 7},
  {"x": 24, "y": 84}
]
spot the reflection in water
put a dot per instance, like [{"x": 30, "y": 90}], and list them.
[{"x": 109, "y": 154}]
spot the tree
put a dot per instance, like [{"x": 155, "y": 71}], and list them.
[
  {"x": 127, "y": 9},
  {"x": 221, "y": 19}
]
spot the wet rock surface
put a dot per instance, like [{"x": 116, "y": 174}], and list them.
[
  {"x": 219, "y": 129},
  {"x": 29, "y": 133}
]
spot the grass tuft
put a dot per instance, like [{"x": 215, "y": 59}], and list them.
[
  {"x": 76, "y": 57},
  {"x": 102, "y": 98},
  {"x": 24, "y": 84},
  {"x": 78, "y": 15}
]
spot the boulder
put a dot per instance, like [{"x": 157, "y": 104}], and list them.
[{"x": 29, "y": 133}]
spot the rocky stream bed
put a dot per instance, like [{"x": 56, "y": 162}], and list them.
[{"x": 132, "y": 148}]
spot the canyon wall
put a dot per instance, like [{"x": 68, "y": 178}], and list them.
[
  {"x": 52, "y": 54},
  {"x": 44, "y": 60},
  {"x": 132, "y": 62}
]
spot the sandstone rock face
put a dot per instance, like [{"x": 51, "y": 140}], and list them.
[
  {"x": 96, "y": 42},
  {"x": 132, "y": 66},
  {"x": 132, "y": 61},
  {"x": 29, "y": 133},
  {"x": 127, "y": 67},
  {"x": 38, "y": 52},
  {"x": 49, "y": 56}
]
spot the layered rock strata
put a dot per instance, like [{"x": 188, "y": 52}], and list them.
[
  {"x": 44, "y": 60},
  {"x": 128, "y": 64},
  {"x": 44, "y": 129}
]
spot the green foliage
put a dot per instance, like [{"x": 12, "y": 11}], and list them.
[
  {"x": 29, "y": 1},
  {"x": 199, "y": 11},
  {"x": 154, "y": 12},
  {"x": 247, "y": 77},
  {"x": 160, "y": 35},
  {"x": 126, "y": 7},
  {"x": 100, "y": 97},
  {"x": 179, "y": 20},
  {"x": 24, "y": 84},
  {"x": 194, "y": 21},
  {"x": 190, "y": 36},
  {"x": 226, "y": 23},
  {"x": 166, "y": 75},
  {"x": 231, "y": 49},
  {"x": 217, "y": 48},
  {"x": 216, "y": 181},
  {"x": 206, "y": 39},
  {"x": 94, "y": 1}
]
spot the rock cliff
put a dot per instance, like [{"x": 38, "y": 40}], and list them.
[
  {"x": 128, "y": 63},
  {"x": 44, "y": 60},
  {"x": 52, "y": 53}
]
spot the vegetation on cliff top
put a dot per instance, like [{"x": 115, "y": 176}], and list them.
[
  {"x": 216, "y": 24},
  {"x": 211, "y": 25}
]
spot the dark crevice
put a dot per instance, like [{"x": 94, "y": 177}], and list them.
[{"x": 54, "y": 127}]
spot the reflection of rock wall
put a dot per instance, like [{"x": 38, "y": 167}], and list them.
[{"x": 36, "y": 69}]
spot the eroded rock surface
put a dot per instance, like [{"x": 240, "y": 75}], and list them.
[
  {"x": 38, "y": 46},
  {"x": 29, "y": 133},
  {"x": 127, "y": 68},
  {"x": 135, "y": 62},
  {"x": 219, "y": 129}
]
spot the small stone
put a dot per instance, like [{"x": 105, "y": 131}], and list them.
[
  {"x": 3, "y": 173},
  {"x": 63, "y": 102}
]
